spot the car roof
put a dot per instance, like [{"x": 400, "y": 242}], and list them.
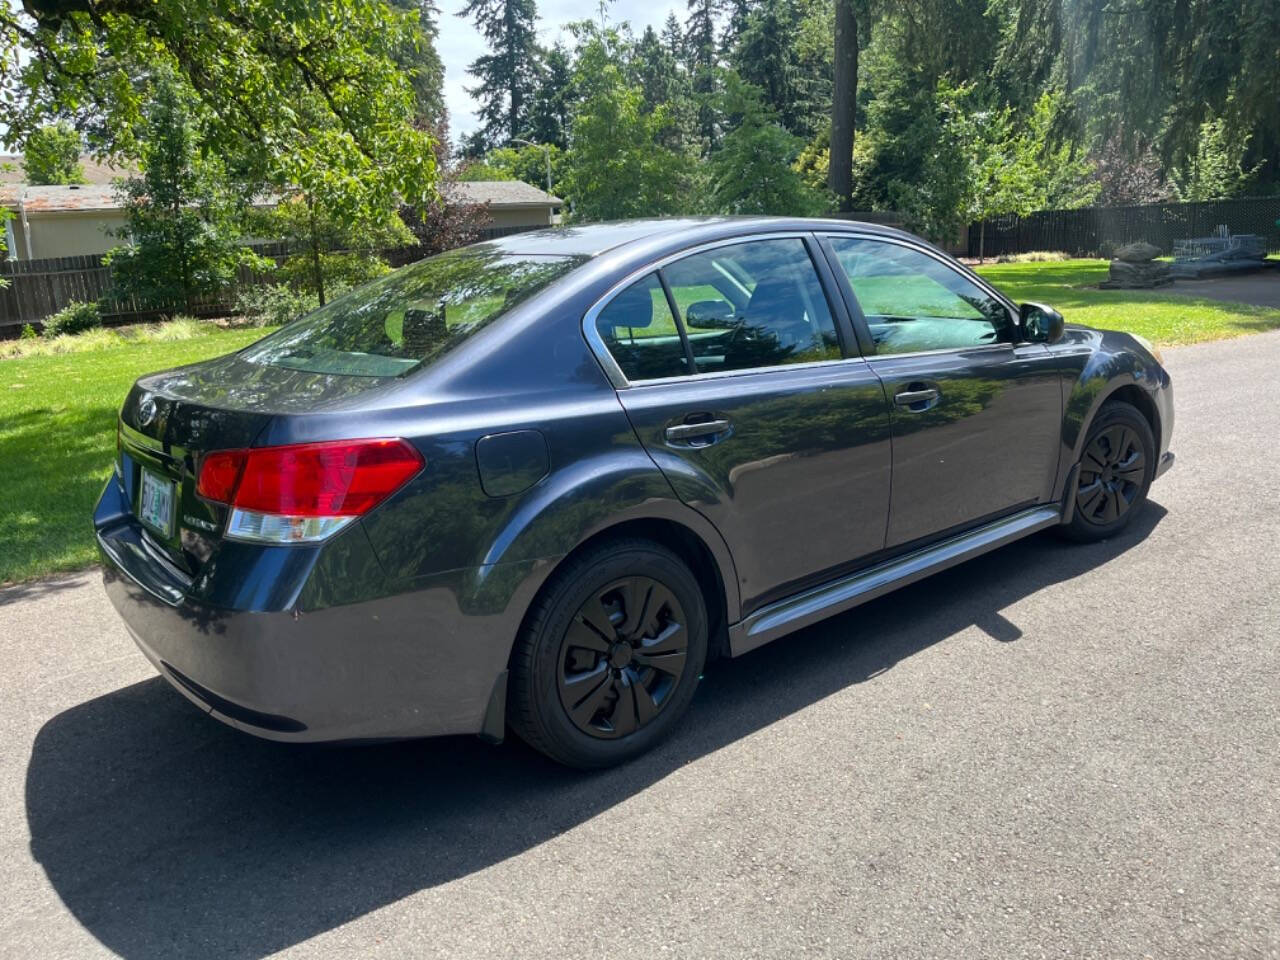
[{"x": 593, "y": 239}]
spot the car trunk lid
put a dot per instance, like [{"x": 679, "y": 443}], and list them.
[{"x": 171, "y": 419}]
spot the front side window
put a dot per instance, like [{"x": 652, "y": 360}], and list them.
[
  {"x": 753, "y": 304},
  {"x": 913, "y": 302},
  {"x": 418, "y": 313}
]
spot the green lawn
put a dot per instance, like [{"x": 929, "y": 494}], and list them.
[
  {"x": 57, "y": 441},
  {"x": 57, "y": 413},
  {"x": 1159, "y": 315}
]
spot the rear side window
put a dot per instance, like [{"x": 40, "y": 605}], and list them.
[
  {"x": 410, "y": 317},
  {"x": 753, "y": 304},
  {"x": 741, "y": 306},
  {"x": 640, "y": 331}
]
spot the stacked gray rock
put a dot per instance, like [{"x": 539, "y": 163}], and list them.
[{"x": 1135, "y": 267}]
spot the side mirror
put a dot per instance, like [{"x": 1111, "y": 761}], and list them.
[
  {"x": 710, "y": 313},
  {"x": 1038, "y": 323}
]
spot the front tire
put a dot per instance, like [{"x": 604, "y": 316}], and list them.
[
  {"x": 1116, "y": 470},
  {"x": 610, "y": 655}
]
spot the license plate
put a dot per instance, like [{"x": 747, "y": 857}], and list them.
[{"x": 155, "y": 507}]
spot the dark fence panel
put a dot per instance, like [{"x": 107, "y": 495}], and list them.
[
  {"x": 39, "y": 288},
  {"x": 1097, "y": 231}
]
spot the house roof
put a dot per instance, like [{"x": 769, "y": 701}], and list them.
[
  {"x": 86, "y": 198},
  {"x": 94, "y": 172},
  {"x": 499, "y": 193},
  {"x": 95, "y": 197}
]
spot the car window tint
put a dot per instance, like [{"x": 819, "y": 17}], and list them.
[
  {"x": 913, "y": 302},
  {"x": 753, "y": 304},
  {"x": 641, "y": 334}
]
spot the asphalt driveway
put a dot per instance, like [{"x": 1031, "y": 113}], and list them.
[
  {"x": 1262, "y": 289},
  {"x": 1050, "y": 751}
]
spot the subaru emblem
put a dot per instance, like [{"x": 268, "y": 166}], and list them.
[{"x": 146, "y": 411}]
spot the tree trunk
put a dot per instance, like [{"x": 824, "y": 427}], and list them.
[
  {"x": 317, "y": 269},
  {"x": 844, "y": 104},
  {"x": 982, "y": 240}
]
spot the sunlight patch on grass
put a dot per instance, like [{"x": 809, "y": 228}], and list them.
[
  {"x": 102, "y": 338},
  {"x": 1160, "y": 315}
]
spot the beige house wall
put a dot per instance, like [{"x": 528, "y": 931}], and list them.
[
  {"x": 70, "y": 234},
  {"x": 521, "y": 216},
  {"x": 66, "y": 234}
]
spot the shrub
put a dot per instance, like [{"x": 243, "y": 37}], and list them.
[
  {"x": 273, "y": 305},
  {"x": 28, "y": 332},
  {"x": 75, "y": 317},
  {"x": 338, "y": 271}
]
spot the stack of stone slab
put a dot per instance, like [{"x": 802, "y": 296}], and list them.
[
  {"x": 1135, "y": 268},
  {"x": 1221, "y": 253}
]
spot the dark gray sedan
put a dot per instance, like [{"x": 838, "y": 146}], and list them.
[{"x": 539, "y": 482}]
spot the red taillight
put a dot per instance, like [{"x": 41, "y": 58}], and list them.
[
  {"x": 219, "y": 474},
  {"x": 342, "y": 478}
]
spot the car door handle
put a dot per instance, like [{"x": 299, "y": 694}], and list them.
[
  {"x": 918, "y": 400},
  {"x": 693, "y": 431}
]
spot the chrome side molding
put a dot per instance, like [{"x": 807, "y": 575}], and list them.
[{"x": 818, "y": 603}]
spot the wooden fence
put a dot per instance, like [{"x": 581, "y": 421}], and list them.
[{"x": 39, "y": 288}]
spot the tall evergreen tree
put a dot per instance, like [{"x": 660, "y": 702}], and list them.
[
  {"x": 673, "y": 37},
  {"x": 766, "y": 57},
  {"x": 553, "y": 102},
  {"x": 665, "y": 85},
  {"x": 739, "y": 12},
  {"x": 702, "y": 56},
  {"x": 751, "y": 173},
  {"x": 508, "y": 73}
]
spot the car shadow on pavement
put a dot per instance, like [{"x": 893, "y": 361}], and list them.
[{"x": 167, "y": 834}]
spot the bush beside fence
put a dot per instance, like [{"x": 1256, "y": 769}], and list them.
[{"x": 1098, "y": 231}]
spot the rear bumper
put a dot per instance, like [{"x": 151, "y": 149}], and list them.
[{"x": 424, "y": 662}]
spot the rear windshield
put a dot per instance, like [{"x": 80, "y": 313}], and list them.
[{"x": 419, "y": 312}]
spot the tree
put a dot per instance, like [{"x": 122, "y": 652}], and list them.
[
  {"x": 1216, "y": 170},
  {"x": 665, "y": 84},
  {"x": 305, "y": 91},
  {"x": 614, "y": 168},
  {"x": 766, "y": 56},
  {"x": 751, "y": 173},
  {"x": 421, "y": 63},
  {"x": 508, "y": 73},
  {"x": 1137, "y": 74},
  {"x": 329, "y": 251},
  {"x": 844, "y": 104},
  {"x": 702, "y": 57},
  {"x": 52, "y": 155},
  {"x": 181, "y": 226},
  {"x": 553, "y": 103}
]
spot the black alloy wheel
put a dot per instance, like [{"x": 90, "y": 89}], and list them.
[
  {"x": 1116, "y": 470},
  {"x": 610, "y": 655},
  {"x": 622, "y": 657},
  {"x": 1112, "y": 472}
]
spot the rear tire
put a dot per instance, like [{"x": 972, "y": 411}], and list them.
[
  {"x": 1116, "y": 469},
  {"x": 609, "y": 656}
]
